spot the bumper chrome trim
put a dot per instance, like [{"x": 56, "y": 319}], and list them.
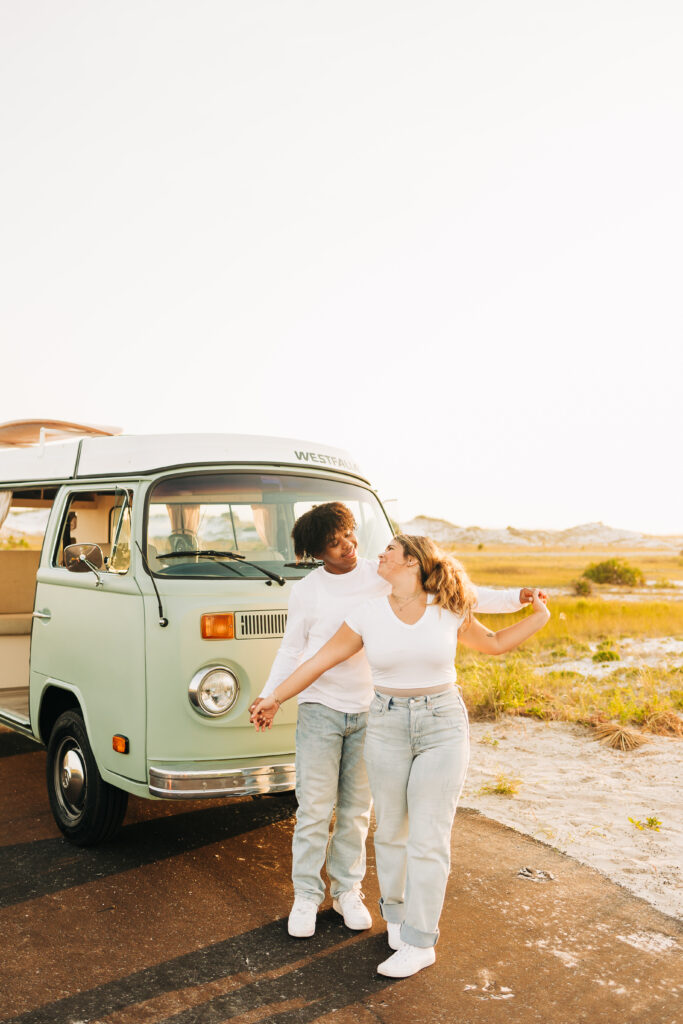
[{"x": 190, "y": 783}]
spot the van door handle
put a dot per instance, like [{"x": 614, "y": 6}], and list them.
[{"x": 46, "y": 615}]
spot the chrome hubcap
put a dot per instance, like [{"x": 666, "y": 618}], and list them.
[
  {"x": 73, "y": 776},
  {"x": 70, "y": 778}
]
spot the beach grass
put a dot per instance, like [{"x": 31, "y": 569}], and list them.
[
  {"x": 591, "y": 628},
  {"x": 618, "y": 736},
  {"x": 580, "y": 620},
  {"x": 560, "y": 567},
  {"x": 525, "y": 682},
  {"x": 647, "y": 698},
  {"x": 503, "y": 785}
]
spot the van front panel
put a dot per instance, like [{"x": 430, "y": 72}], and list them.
[
  {"x": 177, "y": 731},
  {"x": 220, "y": 543}
]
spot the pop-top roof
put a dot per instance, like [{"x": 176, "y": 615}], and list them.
[
  {"x": 24, "y": 433},
  {"x": 132, "y": 455}
]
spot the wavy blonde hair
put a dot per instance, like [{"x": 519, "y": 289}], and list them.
[{"x": 441, "y": 575}]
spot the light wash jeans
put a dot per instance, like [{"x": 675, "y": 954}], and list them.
[
  {"x": 416, "y": 752},
  {"x": 329, "y": 770}
]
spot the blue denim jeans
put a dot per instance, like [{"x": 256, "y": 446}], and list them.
[
  {"x": 416, "y": 752},
  {"x": 330, "y": 772}
]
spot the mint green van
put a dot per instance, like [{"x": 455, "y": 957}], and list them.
[{"x": 144, "y": 583}]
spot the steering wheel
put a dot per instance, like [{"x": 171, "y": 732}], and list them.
[{"x": 183, "y": 540}]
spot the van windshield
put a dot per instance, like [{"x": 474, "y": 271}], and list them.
[{"x": 250, "y": 514}]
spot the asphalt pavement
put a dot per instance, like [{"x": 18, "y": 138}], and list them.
[{"x": 182, "y": 920}]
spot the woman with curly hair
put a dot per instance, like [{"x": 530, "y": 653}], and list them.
[{"x": 417, "y": 741}]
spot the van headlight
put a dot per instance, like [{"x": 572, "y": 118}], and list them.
[{"x": 213, "y": 691}]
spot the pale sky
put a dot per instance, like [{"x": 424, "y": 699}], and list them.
[{"x": 446, "y": 236}]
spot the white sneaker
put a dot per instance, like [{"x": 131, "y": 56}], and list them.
[
  {"x": 302, "y": 918},
  {"x": 351, "y": 907},
  {"x": 407, "y": 960},
  {"x": 394, "y": 934}
]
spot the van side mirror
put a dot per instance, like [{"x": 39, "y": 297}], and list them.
[{"x": 84, "y": 558}]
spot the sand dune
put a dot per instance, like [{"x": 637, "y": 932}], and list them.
[
  {"x": 578, "y": 796},
  {"x": 596, "y": 535}
]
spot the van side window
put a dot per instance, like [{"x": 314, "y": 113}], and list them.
[
  {"x": 101, "y": 518},
  {"x": 119, "y": 532},
  {"x": 24, "y": 515}
]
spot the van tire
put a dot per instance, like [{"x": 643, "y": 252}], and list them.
[{"x": 87, "y": 809}]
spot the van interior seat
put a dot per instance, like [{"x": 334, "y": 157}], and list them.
[
  {"x": 18, "y": 568},
  {"x": 15, "y": 623}
]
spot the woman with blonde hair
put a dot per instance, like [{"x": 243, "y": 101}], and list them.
[{"x": 417, "y": 741}]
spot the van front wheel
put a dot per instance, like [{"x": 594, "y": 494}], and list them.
[{"x": 86, "y": 808}]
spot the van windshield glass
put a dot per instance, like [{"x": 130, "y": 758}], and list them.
[{"x": 251, "y": 514}]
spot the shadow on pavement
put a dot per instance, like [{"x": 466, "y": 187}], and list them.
[
  {"x": 12, "y": 743},
  {"x": 337, "y": 976},
  {"x": 32, "y": 869}
]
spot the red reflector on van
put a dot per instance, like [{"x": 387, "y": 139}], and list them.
[
  {"x": 120, "y": 744},
  {"x": 218, "y": 627}
]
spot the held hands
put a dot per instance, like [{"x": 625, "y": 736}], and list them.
[
  {"x": 526, "y": 595},
  {"x": 262, "y": 712},
  {"x": 538, "y": 602}
]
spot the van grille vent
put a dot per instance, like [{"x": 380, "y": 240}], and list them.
[{"x": 257, "y": 625}]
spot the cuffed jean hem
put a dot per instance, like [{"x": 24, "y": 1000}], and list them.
[
  {"x": 425, "y": 940},
  {"x": 393, "y": 912}
]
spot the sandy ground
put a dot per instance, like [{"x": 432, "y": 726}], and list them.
[
  {"x": 578, "y": 796},
  {"x": 666, "y": 652}
]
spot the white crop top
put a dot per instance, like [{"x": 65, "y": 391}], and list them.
[{"x": 404, "y": 657}]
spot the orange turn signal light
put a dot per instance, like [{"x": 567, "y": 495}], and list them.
[
  {"x": 120, "y": 744},
  {"x": 218, "y": 627}
]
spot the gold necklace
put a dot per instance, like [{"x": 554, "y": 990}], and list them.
[{"x": 406, "y": 603}]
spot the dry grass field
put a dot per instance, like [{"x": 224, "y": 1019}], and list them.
[
  {"x": 614, "y": 656},
  {"x": 548, "y": 567},
  {"x": 576, "y": 736}
]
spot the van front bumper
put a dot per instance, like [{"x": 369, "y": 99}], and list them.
[{"x": 189, "y": 781}]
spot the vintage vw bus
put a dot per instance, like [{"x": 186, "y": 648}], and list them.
[{"x": 142, "y": 607}]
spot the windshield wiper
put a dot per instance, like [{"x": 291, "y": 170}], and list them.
[
  {"x": 210, "y": 553},
  {"x": 204, "y": 551},
  {"x": 302, "y": 565}
]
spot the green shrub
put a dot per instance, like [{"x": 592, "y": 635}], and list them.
[
  {"x": 582, "y": 587},
  {"x": 607, "y": 650},
  {"x": 606, "y": 654},
  {"x": 614, "y": 570}
]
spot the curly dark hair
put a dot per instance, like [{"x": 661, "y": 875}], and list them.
[{"x": 315, "y": 529}]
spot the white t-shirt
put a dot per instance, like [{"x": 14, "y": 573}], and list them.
[
  {"x": 407, "y": 657},
  {"x": 318, "y": 605}
]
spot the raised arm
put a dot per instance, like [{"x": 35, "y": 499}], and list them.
[
  {"x": 341, "y": 646},
  {"x": 472, "y": 634},
  {"x": 490, "y": 600}
]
